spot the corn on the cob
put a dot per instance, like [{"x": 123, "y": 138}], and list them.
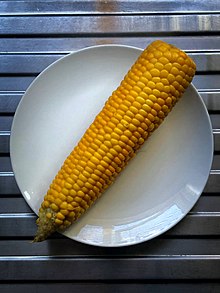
[{"x": 134, "y": 110}]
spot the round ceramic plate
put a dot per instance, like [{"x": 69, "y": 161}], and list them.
[{"x": 158, "y": 187}]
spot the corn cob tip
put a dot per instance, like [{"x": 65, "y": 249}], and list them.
[{"x": 45, "y": 228}]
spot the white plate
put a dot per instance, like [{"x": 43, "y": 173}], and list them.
[{"x": 154, "y": 192}]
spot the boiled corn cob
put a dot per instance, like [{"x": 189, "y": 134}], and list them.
[{"x": 134, "y": 110}]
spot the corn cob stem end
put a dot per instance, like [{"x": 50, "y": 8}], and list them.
[{"x": 45, "y": 228}]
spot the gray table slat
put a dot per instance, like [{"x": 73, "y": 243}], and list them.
[
  {"x": 5, "y": 138},
  {"x": 206, "y": 204},
  {"x": 206, "y": 82},
  {"x": 14, "y": 205},
  {"x": 213, "y": 183},
  {"x": 158, "y": 287},
  {"x": 6, "y": 121},
  {"x": 62, "y": 45},
  {"x": 35, "y": 63},
  {"x": 9, "y": 101},
  {"x": 103, "y": 269},
  {"x": 100, "y": 7},
  {"x": 109, "y": 25},
  {"x": 64, "y": 247},
  {"x": 217, "y": 141},
  {"x": 5, "y": 164},
  {"x": 15, "y": 83},
  {"x": 20, "y": 83},
  {"x": 23, "y": 225},
  {"x": 9, "y": 185},
  {"x": 4, "y": 143}
]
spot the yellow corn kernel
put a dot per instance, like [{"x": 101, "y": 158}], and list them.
[
  {"x": 64, "y": 212},
  {"x": 46, "y": 203},
  {"x": 64, "y": 205},
  {"x": 60, "y": 216},
  {"x": 68, "y": 185},
  {"x": 65, "y": 191},
  {"x": 49, "y": 215},
  {"x": 69, "y": 198},
  {"x": 58, "y": 201},
  {"x": 54, "y": 207},
  {"x": 58, "y": 222},
  {"x": 71, "y": 215}
]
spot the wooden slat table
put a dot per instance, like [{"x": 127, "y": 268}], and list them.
[{"x": 33, "y": 34}]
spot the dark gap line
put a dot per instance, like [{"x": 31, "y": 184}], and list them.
[
  {"x": 7, "y": 114},
  {"x": 19, "y": 74},
  {"x": 4, "y": 155},
  {"x": 111, "y": 34},
  {"x": 83, "y": 282},
  {"x": 35, "y": 74},
  {"x": 164, "y": 237},
  {"x": 11, "y": 196},
  {"x": 214, "y": 112},
  {"x": 208, "y": 194}
]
